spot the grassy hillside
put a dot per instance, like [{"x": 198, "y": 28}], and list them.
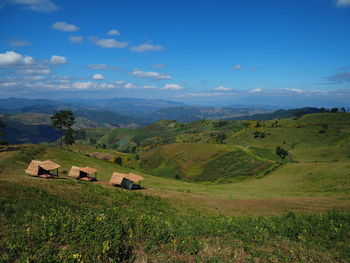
[
  {"x": 203, "y": 162},
  {"x": 160, "y": 133},
  {"x": 318, "y": 187},
  {"x": 229, "y": 151},
  {"x": 66, "y": 220},
  {"x": 316, "y": 137}
]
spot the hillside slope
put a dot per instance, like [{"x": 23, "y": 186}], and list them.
[
  {"x": 315, "y": 137},
  {"x": 62, "y": 218},
  {"x": 203, "y": 162}
]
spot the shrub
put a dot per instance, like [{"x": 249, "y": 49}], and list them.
[{"x": 281, "y": 152}]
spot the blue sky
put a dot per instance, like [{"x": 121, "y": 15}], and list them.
[{"x": 213, "y": 52}]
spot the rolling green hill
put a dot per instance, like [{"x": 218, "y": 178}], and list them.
[
  {"x": 316, "y": 137},
  {"x": 204, "y": 162},
  {"x": 70, "y": 221}
]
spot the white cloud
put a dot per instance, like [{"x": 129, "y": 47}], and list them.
[
  {"x": 109, "y": 43},
  {"x": 76, "y": 39},
  {"x": 98, "y": 77},
  {"x": 65, "y": 27},
  {"x": 129, "y": 86},
  {"x": 9, "y": 84},
  {"x": 237, "y": 67},
  {"x": 256, "y": 90},
  {"x": 147, "y": 47},
  {"x": 113, "y": 32},
  {"x": 35, "y": 5},
  {"x": 57, "y": 60},
  {"x": 82, "y": 85},
  {"x": 148, "y": 87},
  {"x": 119, "y": 82},
  {"x": 293, "y": 90},
  {"x": 105, "y": 86},
  {"x": 13, "y": 59},
  {"x": 173, "y": 87},
  {"x": 343, "y": 3},
  {"x": 149, "y": 74},
  {"x": 34, "y": 71},
  {"x": 222, "y": 88},
  {"x": 19, "y": 43}
]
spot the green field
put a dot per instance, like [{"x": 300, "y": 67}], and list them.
[{"x": 233, "y": 201}]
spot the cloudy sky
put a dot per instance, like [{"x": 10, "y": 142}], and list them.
[{"x": 214, "y": 52}]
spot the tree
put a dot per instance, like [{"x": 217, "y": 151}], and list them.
[
  {"x": 61, "y": 120},
  {"x": 281, "y": 152},
  {"x": 68, "y": 137},
  {"x": 299, "y": 114},
  {"x": 343, "y": 110},
  {"x": 2, "y": 133},
  {"x": 334, "y": 110}
]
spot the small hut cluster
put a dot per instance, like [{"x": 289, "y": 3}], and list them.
[
  {"x": 43, "y": 169},
  {"x": 129, "y": 181}
]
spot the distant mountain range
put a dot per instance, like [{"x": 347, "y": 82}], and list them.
[
  {"x": 194, "y": 113},
  {"x": 28, "y": 120},
  {"x": 125, "y": 112},
  {"x": 280, "y": 114}
]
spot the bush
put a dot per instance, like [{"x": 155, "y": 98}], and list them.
[
  {"x": 281, "y": 152},
  {"x": 258, "y": 134}
]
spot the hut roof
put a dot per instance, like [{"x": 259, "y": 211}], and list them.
[
  {"x": 75, "y": 171},
  {"x": 88, "y": 170},
  {"x": 33, "y": 167},
  {"x": 117, "y": 178},
  {"x": 134, "y": 177},
  {"x": 49, "y": 165}
]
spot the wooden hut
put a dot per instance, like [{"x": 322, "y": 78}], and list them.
[
  {"x": 42, "y": 168},
  {"x": 129, "y": 181},
  {"x": 83, "y": 173}
]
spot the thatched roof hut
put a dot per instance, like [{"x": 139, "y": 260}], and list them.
[
  {"x": 36, "y": 168},
  {"x": 82, "y": 172},
  {"x": 126, "y": 180}
]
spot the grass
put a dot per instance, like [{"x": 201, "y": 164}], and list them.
[
  {"x": 297, "y": 187},
  {"x": 302, "y": 137},
  {"x": 211, "y": 162},
  {"x": 71, "y": 221}
]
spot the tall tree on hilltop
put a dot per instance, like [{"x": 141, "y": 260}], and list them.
[
  {"x": 2, "y": 125},
  {"x": 61, "y": 120},
  {"x": 69, "y": 137}
]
